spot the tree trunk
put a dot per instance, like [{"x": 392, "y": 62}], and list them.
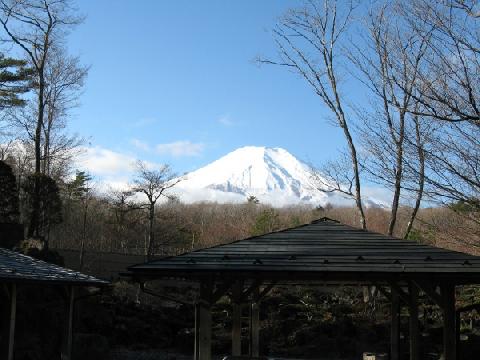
[
  {"x": 151, "y": 219},
  {"x": 397, "y": 188},
  {"x": 421, "y": 178},
  {"x": 398, "y": 169},
  {"x": 84, "y": 235},
  {"x": 353, "y": 151},
  {"x": 46, "y": 148},
  {"x": 356, "y": 172},
  {"x": 33, "y": 229}
]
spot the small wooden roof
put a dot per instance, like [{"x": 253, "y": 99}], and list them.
[
  {"x": 324, "y": 250},
  {"x": 16, "y": 267}
]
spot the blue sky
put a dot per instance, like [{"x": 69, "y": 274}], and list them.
[{"x": 174, "y": 82}]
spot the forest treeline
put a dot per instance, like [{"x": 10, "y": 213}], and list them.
[
  {"x": 113, "y": 227},
  {"x": 416, "y": 132}
]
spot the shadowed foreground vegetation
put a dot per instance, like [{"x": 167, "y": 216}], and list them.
[{"x": 298, "y": 322}]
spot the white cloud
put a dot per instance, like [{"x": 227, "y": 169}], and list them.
[
  {"x": 111, "y": 183},
  {"x": 100, "y": 161},
  {"x": 139, "y": 144},
  {"x": 104, "y": 162},
  {"x": 110, "y": 169},
  {"x": 225, "y": 120},
  {"x": 180, "y": 148},
  {"x": 143, "y": 122}
]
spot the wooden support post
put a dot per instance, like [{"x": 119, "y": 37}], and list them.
[
  {"x": 449, "y": 326},
  {"x": 395, "y": 325},
  {"x": 68, "y": 342},
  {"x": 205, "y": 336},
  {"x": 203, "y": 323},
  {"x": 203, "y": 341},
  {"x": 236, "y": 329},
  {"x": 255, "y": 325},
  {"x": 13, "y": 316},
  {"x": 413, "y": 323},
  {"x": 457, "y": 333},
  {"x": 236, "y": 299},
  {"x": 197, "y": 331}
]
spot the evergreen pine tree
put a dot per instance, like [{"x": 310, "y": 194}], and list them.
[
  {"x": 15, "y": 79},
  {"x": 9, "y": 213},
  {"x": 50, "y": 201}
]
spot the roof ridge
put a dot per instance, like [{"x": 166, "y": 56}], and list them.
[
  {"x": 324, "y": 219},
  {"x": 219, "y": 245}
]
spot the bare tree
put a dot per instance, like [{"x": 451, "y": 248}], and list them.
[
  {"x": 335, "y": 176},
  {"x": 417, "y": 168},
  {"x": 388, "y": 59},
  {"x": 58, "y": 147},
  {"x": 122, "y": 204},
  {"x": 450, "y": 83},
  {"x": 453, "y": 172},
  {"x": 308, "y": 41},
  {"x": 37, "y": 26},
  {"x": 64, "y": 79},
  {"x": 448, "y": 93},
  {"x": 153, "y": 184}
]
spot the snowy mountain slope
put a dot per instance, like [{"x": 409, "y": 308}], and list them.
[{"x": 273, "y": 175}]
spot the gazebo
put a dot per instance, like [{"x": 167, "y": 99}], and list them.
[
  {"x": 17, "y": 270},
  {"x": 322, "y": 252}
]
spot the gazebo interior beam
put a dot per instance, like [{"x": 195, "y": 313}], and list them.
[
  {"x": 265, "y": 291},
  {"x": 431, "y": 291},
  {"x": 404, "y": 296},
  {"x": 251, "y": 289},
  {"x": 384, "y": 292}
]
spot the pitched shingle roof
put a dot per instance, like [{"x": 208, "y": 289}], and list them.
[
  {"x": 324, "y": 248},
  {"x": 16, "y": 267}
]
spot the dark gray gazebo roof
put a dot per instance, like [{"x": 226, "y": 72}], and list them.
[
  {"x": 323, "y": 250},
  {"x": 16, "y": 267}
]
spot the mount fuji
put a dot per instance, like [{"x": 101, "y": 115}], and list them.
[{"x": 272, "y": 175}]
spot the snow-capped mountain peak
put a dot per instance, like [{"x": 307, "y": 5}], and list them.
[{"x": 273, "y": 175}]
